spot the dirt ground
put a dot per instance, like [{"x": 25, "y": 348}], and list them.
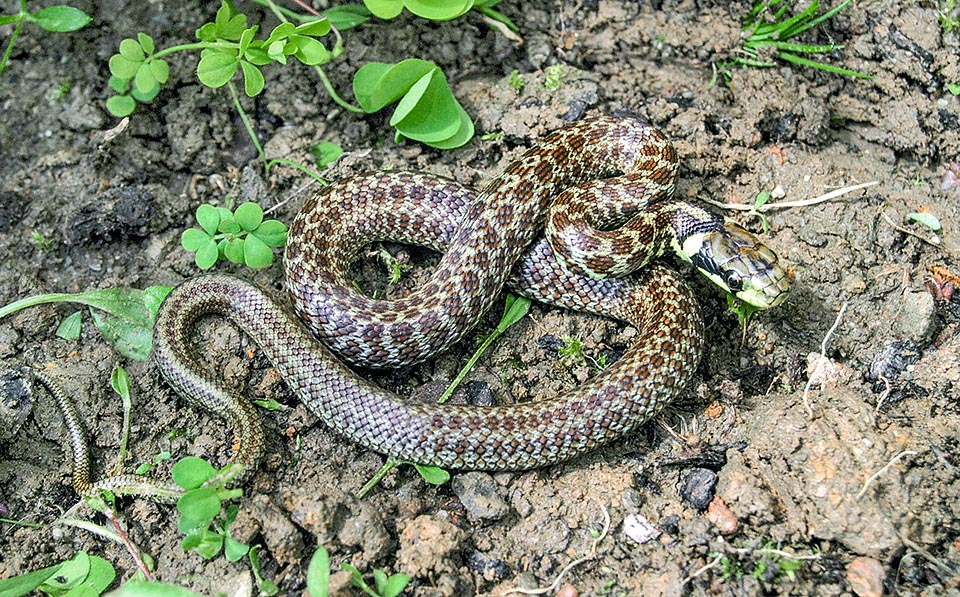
[{"x": 846, "y": 485}]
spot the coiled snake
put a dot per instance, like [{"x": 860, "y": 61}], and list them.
[{"x": 601, "y": 188}]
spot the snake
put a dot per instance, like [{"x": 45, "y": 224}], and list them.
[{"x": 577, "y": 222}]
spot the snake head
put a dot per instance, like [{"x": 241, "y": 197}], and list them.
[{"x": 739, "y": 262}]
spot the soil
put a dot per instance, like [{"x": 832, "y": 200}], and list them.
[{"x": 848, "y": 464}]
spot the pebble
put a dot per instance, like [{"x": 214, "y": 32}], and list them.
[
  {"x": 638, "y": 528},
  {"x": 866, "y": 577},
  {"x": 917, "y": 319},
  {"x": 491, "y": 568},
  {"x": 568, "y": 591},
  {"x": 480, "y": 495},
  {"x": 479, "y": 393},
  {"x": 722, "y": 517},
  {"x": 428, "y": 545},
  {"x": 16, "y": 403},
  {"x": 698, "y": 488}
]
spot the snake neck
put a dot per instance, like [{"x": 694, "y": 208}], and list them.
[{"x": 690, "y": 226}]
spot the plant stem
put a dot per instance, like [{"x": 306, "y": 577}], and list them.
[
  {"x": 388, "y": 466},
  {"x": 13, "y": 37},
  {"x": 249, "y": 126},
  {"x": 40, "y": 299},
  {"x": 333, "y": 93}
]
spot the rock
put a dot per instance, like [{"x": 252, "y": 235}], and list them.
[
  {"x": 123, "y": 211},
  {"x": 479, "y": 394},
  {"x": 480, "y": 495},
  {"x": 698, "y": 488},
  {"x": 16, "y": 403},
  {"x": 638, "y": 528},
  {"x": 491, "y": 568},
  {"x": 866, "y": 576},
  {"x": 429, "y": 546},
  {"x": 279, "y": 534},
  {"x": 917, "y": 319},
  {"x": 722, "y": 517}
]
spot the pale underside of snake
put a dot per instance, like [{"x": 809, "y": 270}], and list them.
[{"x": 488, "y": 240}]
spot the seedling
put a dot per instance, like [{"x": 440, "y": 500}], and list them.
[
  {"x": 437, "y": 11},
  {"x": 434, "y": 475},
  {"x": 768, "y": 38},
  {"x": 326, "y": 153},
  {"x": 572, "y": 349},
  {"x": 427, "y": 111},
  {"x": 267, "y": 587},
  {"x": 949, "y": 16},
  {"x": 206, "y": 530},
  {"x": 384, "y": 586},
  {"x": 925, "y": 218},
  {"x": 83, "y": 574},
  {"x": 760, "y": 201},
  {"x": 241, "y": 236},
  {"x": 124, "y": 316},
  {"x": 516, "y": 80},
  {"x": 554, "y": 77},
  {"x": 318, "y": 573},
  {"x": 56, "y": 19}
]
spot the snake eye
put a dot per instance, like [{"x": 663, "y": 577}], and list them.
[{"x": 733, "y": 280}]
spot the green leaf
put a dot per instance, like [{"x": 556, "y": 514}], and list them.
[
  {"x": 130, "y": 339},
  {"x": 925, "y": 218},
  {"x": 347, "y": 16},
  {"x": 234, "y": 250},
  {"x": 207, "y": 32},
  {"x": 120, "y": 382},
  {"x": 394, "y": 585},
  {"x": 272, "y": 232},
  {"x": 144, "y": 588},
  {"x": 318, "y": 573},
  {"x": 160, "y": 69},
  {"x": 377, "y": 85},
  {"x": 144, "y": 80},
  {"x": 434, "y": 475},
  {"x": 146, "y": 42},
  {"x": 197, "y": 508},
  {"x": 61, "y": 19},
  {"x": 385, "y": 9},
  {"x": 428, "y": 111},
  {"x": 953, "y": 88},
  {"x": 246, "y": 38},
  {"x": 70, "y": 573},
  {"x": 144, "y": 97},
  {"x": 229, "y": 23},
  {"x": 208, "y": 217},
  {"x": 122, "y": 67},
  {"x": 153, "y": 296},
  {"x": 101, "y": 576},
  {"x": 215, "y": 69},
  {"x": 207, "y": 255},
  {"x": 256, "y": 253},
  {"x": 438, "y": 11},
  {"x": 117, "y": 84},
  {"x": 192, "y": 472},
  {"x": 23, "y": 584},
  {"x": 228, "y": 223},
  {"x": 314, "y": 28},
  {"x": 310, "y": 51},
  {"x": 280, "y": 33},
  {"x": 233, "y": 549},
  {"x": 326, "y": 152},
  {"x": 463, "y": 134},
  {"x": 209, "y": 545},
  {"x": 253, "y": 81},
  {"x": 69, "y": 328},
  {"x": 192, "y": 239},
  {"x": 249, "y": 215},
  {"x": 131, "y": 50},
  {"x": 514, "y": 309}
]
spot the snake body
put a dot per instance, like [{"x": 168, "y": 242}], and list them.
[{"x": 489, "y": 239}]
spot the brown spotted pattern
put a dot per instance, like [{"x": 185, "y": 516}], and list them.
[{"x": 488, "y": 239}]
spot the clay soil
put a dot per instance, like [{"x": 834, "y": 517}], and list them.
[{"x": 846, "y": 485}]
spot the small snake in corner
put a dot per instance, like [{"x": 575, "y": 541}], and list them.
[{"x": 574, "y": 222}]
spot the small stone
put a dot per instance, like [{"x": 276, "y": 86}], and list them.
[
  {"x": 491, "y": 568},
  {"x": 722, "y": 517},
  {"x": 479, "y": 394},
  {"x": 698, "y": 488},
  {"x": 866, "y": 577},
  {"x": 16, "y": 403},
  {"x": 638, "y": 528},
  {"x": 917, "y": 319},
  {"x": 568, "y": 591},
  {"x": 279, "y": 534},
  {"x": 480, "y": 495},
  {"x": 428, "y": 546}
]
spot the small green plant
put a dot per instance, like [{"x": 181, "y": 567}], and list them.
[
  {"x": 769, "y": 37},
  {"x": 572, "y": 349},
  {"x": 267, "y": 587},
  {"x": 516, "y": 80},
  {"x": 55, "y": 19},
  {"x": 124, "y": 316},
  {"x": 760, "y": 201},
  {"x": 384, "y": 586},
  {"x": 554, "y": 77},
  {"x": 241, "y": 236},
  {"x": 437, "y": 11},
  {"x": 145, "y": 467},
  {"x": 41, "y": 241},
  {"x": 325, "y": 153},
  {"x": 203, "y": 520},
  {"x": 83, "y": 574},
  {"x": 427, "y": 110},
  {"x": 318, "y": 573},
  {"x": 925, "y": 218},
  {"x": 949, "y": 16}
]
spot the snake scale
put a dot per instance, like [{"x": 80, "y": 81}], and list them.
[{"x": 489, "y": 239}]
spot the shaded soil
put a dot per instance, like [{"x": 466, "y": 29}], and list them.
[{"x": 798, "y": 469}]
